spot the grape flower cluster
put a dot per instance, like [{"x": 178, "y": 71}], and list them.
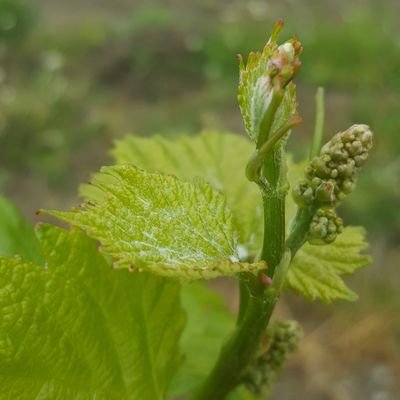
[
  {"x": 330, "y": 176},
  {"x": 283, "y": 339}
]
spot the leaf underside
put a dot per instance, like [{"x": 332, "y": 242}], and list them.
[
  {"x": 207, "y": 325},
  {"x": 208, "y": 321},
  {"x": 287, "y": 108},
  {"x": 155, "y": 222},
  {"x": 76, "y": 329},
  {"x": 255, "y": 89}
]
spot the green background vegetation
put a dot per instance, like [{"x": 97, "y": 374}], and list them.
[{"x": 76, "y": 75}]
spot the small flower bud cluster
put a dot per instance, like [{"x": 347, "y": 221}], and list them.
[
  {"x": 285, "y": 62},
  {"x": 325, "y": 227},
  {"x": 330, "y": 176},
  {"x": 283, "y": 339}
]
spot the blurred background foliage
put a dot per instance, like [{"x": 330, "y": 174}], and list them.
[{"x": 76, "y": 75}]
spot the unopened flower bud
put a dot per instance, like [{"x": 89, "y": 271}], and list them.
[
  {"x": 285, "y": 62},
  {"x": 303, "y": 194},
  {"x": 325, "y": 192},
  {"x": 325, "y": 227}
]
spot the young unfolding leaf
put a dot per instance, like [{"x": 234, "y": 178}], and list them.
[
  {"x": 265, "y": 79},
  {"x": 160, "y": 224},
  {"x": 218, "y": 157},
  {"x": 315, "y": 271},
  {"x": 287, "y": 108},
  {"x": 79, "y": 330}
]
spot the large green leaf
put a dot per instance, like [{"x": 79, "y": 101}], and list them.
[
  {"x": 315, "y": 270},
  {"x": 79, "y": 330},
  {"x": 17, "y": 235},
  {"x": 160, "y": 224},
  {"x": 219, "y": 158},
  {"x": 208, "y": 323}
]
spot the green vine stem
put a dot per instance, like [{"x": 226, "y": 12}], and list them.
[
  {"x": 253, "y": 168},
  {"x": 273, "y": 70},
  {"x": 300, "y": 228},
  {"x": 241, "y": 349},
  {"x": 258, "y": 302},
  {"x": 274, "y": 209}
]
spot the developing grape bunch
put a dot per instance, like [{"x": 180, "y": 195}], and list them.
[{"x": 116, "y": 305}]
